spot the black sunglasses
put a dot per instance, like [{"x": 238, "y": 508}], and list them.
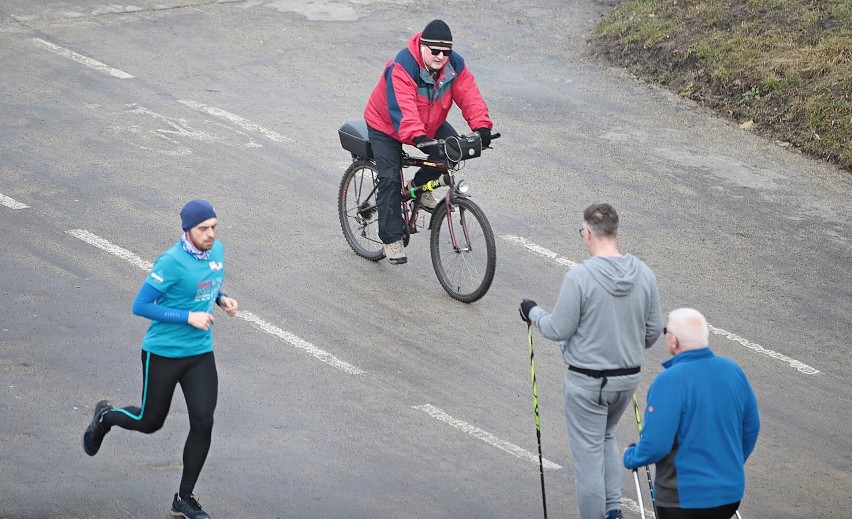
[{"x": 435, "y": 52}]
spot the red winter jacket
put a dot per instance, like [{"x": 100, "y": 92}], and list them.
[{"x": 407, "y": 102}]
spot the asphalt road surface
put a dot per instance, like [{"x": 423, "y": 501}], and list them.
[{"x": 352, "y": 389}]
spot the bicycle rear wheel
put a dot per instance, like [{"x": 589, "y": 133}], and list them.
[
  {"x": 465, "y": 269},
  {"x": 359, "y": 215}
]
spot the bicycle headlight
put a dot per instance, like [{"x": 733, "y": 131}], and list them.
[{"x": 462, "y": 187}]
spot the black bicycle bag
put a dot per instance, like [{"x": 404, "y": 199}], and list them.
[
  {"x": 463, "y": 147},
  {"x": 355, "y": 139}
]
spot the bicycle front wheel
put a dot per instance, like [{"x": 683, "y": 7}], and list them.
[
  {"x": 359, "y": 214},
  {"x": 464, "y": 254}
]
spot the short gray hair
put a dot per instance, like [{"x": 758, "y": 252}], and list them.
[{"x": 690, "y": 328}]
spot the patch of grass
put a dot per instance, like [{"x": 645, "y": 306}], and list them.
[{"x": 785, "y": 64}]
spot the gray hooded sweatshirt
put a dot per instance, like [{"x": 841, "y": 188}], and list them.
[{"x": 607, "y": 313}]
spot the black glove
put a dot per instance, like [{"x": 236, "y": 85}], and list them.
[
  {"x": 526, "y": 306},
  {"x": 485, "y": 135},
  {"x": 432, "y": 150}
]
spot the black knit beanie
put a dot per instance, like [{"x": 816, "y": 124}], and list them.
[{"x": 437, "y": 33}]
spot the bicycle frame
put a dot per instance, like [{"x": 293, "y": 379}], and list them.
[{"x": 446, "y": 179}]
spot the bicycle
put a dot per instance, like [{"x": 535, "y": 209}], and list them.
[{"x": 462, "y": 247}]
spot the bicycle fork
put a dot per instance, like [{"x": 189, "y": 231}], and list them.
[
  {"x": 411, "y": 220},
  {"x": 463, "y": 224}
]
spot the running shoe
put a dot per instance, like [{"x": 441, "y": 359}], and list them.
[
  {"x": 94, "y": 435},
  {"x": 188, "y": 508}
]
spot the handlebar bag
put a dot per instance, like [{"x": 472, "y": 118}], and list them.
[{"x": 464, "y": 147}]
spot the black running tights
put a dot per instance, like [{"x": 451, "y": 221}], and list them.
[{"x": 200, "y": 385}]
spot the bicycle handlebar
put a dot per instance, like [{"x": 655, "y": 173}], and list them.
[{"x": 433, "y": 142}]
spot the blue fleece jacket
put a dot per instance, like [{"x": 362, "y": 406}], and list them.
[{"x": 701, "y": 425}]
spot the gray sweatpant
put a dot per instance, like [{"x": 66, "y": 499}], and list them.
[{"x": 597, "y": 460}]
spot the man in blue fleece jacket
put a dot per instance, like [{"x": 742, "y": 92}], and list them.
[
  {"x": 701, "y": 425},
  {"x": 607, "y": 314}
]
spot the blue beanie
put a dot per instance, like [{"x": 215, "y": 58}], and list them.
[{"x": 195, "y": 212}]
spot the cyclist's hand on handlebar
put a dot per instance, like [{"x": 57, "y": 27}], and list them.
[
  {"x": 485, "y": 135},
  {"x": 431, "y": 149}
]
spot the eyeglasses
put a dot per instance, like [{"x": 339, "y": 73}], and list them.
[
  {"x": 581, "y": 230},
  {"x": 665, "y": 330},
  {"x": 435, "y": 52}
]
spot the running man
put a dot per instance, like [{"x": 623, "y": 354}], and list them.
[{"x": 178, "y": 296}]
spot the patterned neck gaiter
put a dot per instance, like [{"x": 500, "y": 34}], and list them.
[{"x": 192, "y": 249}]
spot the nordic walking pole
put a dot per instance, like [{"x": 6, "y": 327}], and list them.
[
  {"x": 647, "y": 470},
  {"x": 537, "y": 420},
  {"x": 639, "y": 493}
]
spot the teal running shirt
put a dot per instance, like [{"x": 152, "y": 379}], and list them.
[{"x": 186, "y": 284}]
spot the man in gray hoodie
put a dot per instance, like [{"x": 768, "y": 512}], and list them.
[{"x": 608, "y": 312}]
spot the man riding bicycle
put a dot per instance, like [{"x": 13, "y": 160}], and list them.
[{"x": 409, "y": 105}]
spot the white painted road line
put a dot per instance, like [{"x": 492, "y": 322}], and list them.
[
  {"x": 257, "y": 322},
  {"x": 799, "y": 366},
  {"x": 804, "y": 368},
  {"x": 11, "y": 203},
  {"x": 538, "y": 249},
  {"x": 180, "y": 127},
  {"x": 97, "y": 241},
  {"x": 302, "y": 344},
  {"x": 243, "y": 123},
  {"x": 79, "y": 58},
  {"x": 511, "y": 448}
]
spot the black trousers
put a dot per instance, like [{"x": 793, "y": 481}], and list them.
[
  {"x": 388, "y": 154},
  {"x": 719, "y": 512},
  {"x": 199, "y": 382}
]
